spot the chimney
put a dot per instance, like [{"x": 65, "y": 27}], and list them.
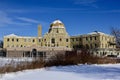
[{"x": 39, "y": 31}]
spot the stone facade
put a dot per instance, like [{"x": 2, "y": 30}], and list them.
[
  {"x": 94, "y": 40},
  {"x": 56, "y": 40}
]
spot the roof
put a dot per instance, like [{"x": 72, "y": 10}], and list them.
[
  {"x": 56, "y": 21},
  {"x": 93, "y": 33},
  {"x": 57, "y": 24},
  {"x": 96, "y": 32},
  {"x": 13, "y": 35},
  {"x": 101, "y": 33}
]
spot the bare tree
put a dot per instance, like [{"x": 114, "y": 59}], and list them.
[
  {"x": 1, "y": 44},
  {"x": 116, "y": 32}
]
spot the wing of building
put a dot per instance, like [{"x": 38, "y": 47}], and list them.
[{"x": 57, "y": 40}]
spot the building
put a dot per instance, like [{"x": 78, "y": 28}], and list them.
[
  {"x": 97, "y": 43},
  {"x": 57, "y": 40}
]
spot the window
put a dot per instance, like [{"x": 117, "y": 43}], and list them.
[
  {"x": 39, "y": 40},
  {"x": 90, "y": 38},
  {"x": 45, "y": 44},
  {"x": 91, "y": 45},
  {"x": 8, "y": 39},
  {"x": 33, "y": 40},
  {"x": 73, "y": 39},
  {"x": 95, "y": 45},
  {"x": 53, "y": 40},
  {"x": 117, "y": 53},
  {"x": 111, "y": 53},
  {"x": 48, "y": 45},
  {"x": 12, "y": 39},
  {"x": 57, "y": 31},
  {"x": 44, "y": 39},
  {"x": 87, "y": 46},
  {"x": 86, "y": 38},
  {"x": 76, "y": 39},
  {"x": 57, "y": 45},
  {"x": 95, "y": 38},
  {"x": 80, "y": 39},
  {"x": 17, "y": 40},
  {"x": 60, "y": 39},
  {"x": 66, "y": 40}
]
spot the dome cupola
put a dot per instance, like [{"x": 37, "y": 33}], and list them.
[{"x": 57, "y": 24}]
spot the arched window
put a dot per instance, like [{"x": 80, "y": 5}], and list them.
[{"x": 52, "y": 40}]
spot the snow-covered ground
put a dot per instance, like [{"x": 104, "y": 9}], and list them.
[
  {"x": 78, "y": 72},
  {"x": 5, "y": 61}
]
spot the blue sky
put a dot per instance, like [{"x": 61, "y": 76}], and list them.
[{"x": 22, "y": 17}]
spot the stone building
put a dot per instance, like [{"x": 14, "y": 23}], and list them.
[
  {"x": 57, "y": 40},
  {"x": 54, "y": 41},
  {"x": 97, "y": 43}
]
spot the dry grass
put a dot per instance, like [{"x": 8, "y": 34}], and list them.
[{"x": 38, "y": 63}]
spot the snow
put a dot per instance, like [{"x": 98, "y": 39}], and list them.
[
  {"x": 96, "y": 33},
  {"x": 56, "y": 21},
  {"x": 11, "y": 35},
  {"x": 78, "y": 72},
  {"x": 5, "y": 61}
]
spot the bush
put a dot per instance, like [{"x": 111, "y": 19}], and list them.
[
  {"x": 74, "y": 58},
  {"x": 70, "y": 58},
  {"x": 37, "y": 63}
]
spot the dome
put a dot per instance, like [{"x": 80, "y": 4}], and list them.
[
  {"x": 56, "y": 21},
  {"x": 57, "y": 24}
]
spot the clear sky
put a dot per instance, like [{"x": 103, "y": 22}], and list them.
[{"x": 22, "y": 17}]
